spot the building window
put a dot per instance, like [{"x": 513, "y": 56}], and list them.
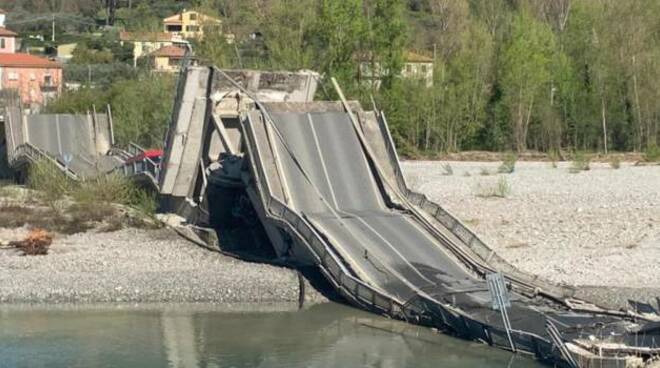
[
  {"x": 48, "y": 80},
  {"x": 193, "y": 16},
  {"x": 2, "y": 43},
  {"x": 13, "y": 76},
  {"x": 424, "y": 69},
  {"x": 192, "y": 28},
  {"x": 408, "y": 68},
  {"x": 174, "y": 28}
]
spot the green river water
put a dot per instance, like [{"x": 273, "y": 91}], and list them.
[{"x": 326, "y": 335}]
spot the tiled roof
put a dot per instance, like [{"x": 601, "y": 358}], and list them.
[
  {"x": 176, "y": 18},
  {"x": 413, "y": 57},
  {"x": 170, "y": 52},
  {"x": 7, "y": 33},
  {"x": 408, "y": 57},
  {"x": 26, "y": 61},
  {"x": 145, "y": 36}
]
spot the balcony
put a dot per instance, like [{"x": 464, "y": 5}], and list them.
[{"x": 49, "y": 87}]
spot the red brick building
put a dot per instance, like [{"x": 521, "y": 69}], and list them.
[{"x": 37, "y": 79}]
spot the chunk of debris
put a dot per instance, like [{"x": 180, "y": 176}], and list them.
[{"x": 36, "y": 243}]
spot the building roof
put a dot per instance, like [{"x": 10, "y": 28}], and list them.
[
  {"x": 172, "y": 52},
  {"x": 408, "y": 57},
  {"x": 20, "y": 60},
  {"x": 413, "y": 57},
  {"x": 178, "y": 18},
  {"x": 4, "y": 32},
  {"x": 145, "y": 36},
  {"x": 2, "y": 11}
]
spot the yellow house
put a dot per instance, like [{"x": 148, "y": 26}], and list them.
[
  {"x": 65, "y": 52},
  {"x": 415, "y": 66},
  {"x": 191, "y": 24},
  {"x": 167, "y": 59},
  {"x": 145, "y": 43},
  {"x": 418, "y": 66}
]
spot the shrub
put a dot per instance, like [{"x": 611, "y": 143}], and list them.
[
  {"x": 145, "y": 202},
  {"x": 112, "y": 188},
  {"x": 501, "y": 189},
  {"x": 53, "y": 186},
  {"x": 51, "y": 183},
  {"x": 448, "y": 170},
  {"x": 652, "y": 153},
  {"x": 615, "y": 162},
  {"x": 581, "y": 162},
  {"x": 508, "y": 164}
]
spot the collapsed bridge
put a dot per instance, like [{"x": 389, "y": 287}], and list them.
[
  {"x": 324, "y": 180},
  {"x": 321, "y": 181}
]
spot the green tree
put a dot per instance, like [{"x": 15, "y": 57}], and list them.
[
  {"x": 285, "y": 32},
  {"x": 387, "y": 37},
  {"x": 338, "y": 36},
  {"x": 146, "y": 122},
  {"x": 526, "y": 73}
]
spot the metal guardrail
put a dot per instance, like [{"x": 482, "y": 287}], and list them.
[
  {"x": 143, "y": 166},
  {"x": 28, "y": 153}
]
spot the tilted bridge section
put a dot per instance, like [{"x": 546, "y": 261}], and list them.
[{"x": 325, "y": 182}]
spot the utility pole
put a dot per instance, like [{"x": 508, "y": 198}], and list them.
[{"x": 52, "y": 38}]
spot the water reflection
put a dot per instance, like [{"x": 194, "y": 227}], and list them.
[{"x": 327, "y": 335}]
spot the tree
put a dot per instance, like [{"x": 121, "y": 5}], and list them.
[
  {"x": 144, "y": 123},
  {"x": 526, "y": 72},
  {"x": 285, "y": 32},
  {"x": 337, "y": 37},
  {"x": 387, "y": 36}
]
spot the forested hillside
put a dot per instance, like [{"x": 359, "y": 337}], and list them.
[{"x": 509, "y": 74}]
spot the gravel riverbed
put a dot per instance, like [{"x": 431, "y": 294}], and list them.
[
  {"x": 596, "y": 228},
  {"x": 141, "y": 266}
]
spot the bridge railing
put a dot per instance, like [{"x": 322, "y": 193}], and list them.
[{"x": 27, "y": 153}]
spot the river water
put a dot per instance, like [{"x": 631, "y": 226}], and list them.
[{"x": 326, "y": 335}]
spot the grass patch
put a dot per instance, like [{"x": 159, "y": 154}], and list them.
[
  {"x": 501, "y": 189},
  {"x": 47, "y": 218},
  {"x": 581, "y": 162},
  {"x": 108, "y": 202},
  {"x": 50, "y": 183},
  {"x": 652, "y": 153},
  {"x": 508, "y": 165},
  {"x": 53, "y": 186}
]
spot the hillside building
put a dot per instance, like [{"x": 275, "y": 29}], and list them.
[
  {"x": 191, "y": 24},
  {"x": 36, "y": 79}
]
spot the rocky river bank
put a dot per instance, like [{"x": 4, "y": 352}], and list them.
[{"x": 596, "y": 230}]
